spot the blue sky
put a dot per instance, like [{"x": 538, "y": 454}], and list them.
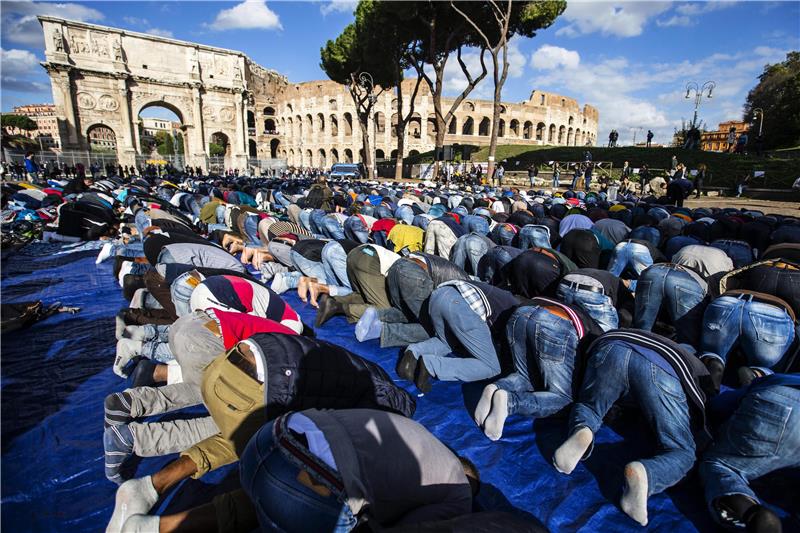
[{"x": 631, "y": 60}]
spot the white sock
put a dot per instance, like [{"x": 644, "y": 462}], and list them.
[
  {"x": 135, "y": 333},
  {"x": 570, "y": 453},
  {"x": 634, "y": 494},
  {"x": 484, "y": 404},
  {"x": 135, "y": 496},
  {"x": 174, "y": 373},
  {"x": 124, "y": 270},
  {"x": 142, "y": 523},
  {"x": 493, "y": 426}
]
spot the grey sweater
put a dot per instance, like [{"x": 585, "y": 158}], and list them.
[{"x": 392, "y": 468}]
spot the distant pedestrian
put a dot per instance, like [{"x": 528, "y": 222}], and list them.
[
  {"x": 649, "y": 138},
  {"x": 699, "y": 179},
  {"x": 587, "y": 177},
  {"x": 556, "y": 174}
]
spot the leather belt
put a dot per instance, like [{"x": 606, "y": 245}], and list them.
[{"x": 576, "y": 285}]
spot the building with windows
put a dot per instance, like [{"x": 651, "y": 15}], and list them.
[
  {"x": 717, "y": 141},
  {"x": 46, "y": 132}
]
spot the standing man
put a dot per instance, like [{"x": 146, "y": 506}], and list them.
[
  {"x": 649, "y": 138},
  {"x": 498, "y": 175},
  {"x": 556, "y": 174},
  {"x": 587, "y": 176},
  {"x": 731, "y": 139},
  {"x": 31, "y": 168},
  {"x": 533, "y": 172}
]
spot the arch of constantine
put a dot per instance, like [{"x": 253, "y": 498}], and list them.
[{"x": 104, "y": 77}]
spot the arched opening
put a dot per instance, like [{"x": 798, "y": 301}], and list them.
[
  {"x": 334, "y": 126},
  {"x": 308, "y": 160},
  {"x": 361, "y": 155},
  {"x": 269, "y": 111},
  {"x": 501, "y": 128},
  {"x": 269, "y": 126},
  {"x": 540, "y": 127},
  {"x": 380, "y": 123},
  {"x": 379, "y": 155},
  {"x": 334, "y": 156},
  {"x": 483, "y": 127},
  {"x": 527, "y": 130},
  {"x": 159, "y": 132},
  {"x": 101, "y": 139},
  {"x": 348, "y": 125},
  {"x": 469, "y": 106},
  {"x": 298, "y": 124},
  {"x": 393, "y": 155},
  {"x": 321, "y": 123},
  {"x": 415, "y": 126},
  {"x": 452, "y": 129},
  {"x": 252, "y": 149},
  {"x": 551, "y": 134},
  {"x": 570, "y": 121},
  {"x": 290, "y": 159},
  {"x": 274, "y": 144},
  {"x": 289, "y": 126},
  {"x": 309, "y": 122},
  {"x": 413, "y": 153},
  {"x": 577, "y": 137},
  {"x": 468, "y": 127},
  {"x": 251, "y": 123},
  {"x": 348, "y": 155},
  {"x": 561, "y": 131},
  {"x": 321, "y": 159},
  {"x": 514, "y": 127},
  {"x": 394, "y": 126},
  {"x": 569, "y": 137},
  {"x": 219, "y": 150},
  {"x": 431, "y": 129}
]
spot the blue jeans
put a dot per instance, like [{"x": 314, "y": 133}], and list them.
[
  {"x": 180, "y": 291},
  {"x": 281, "y": 501},
  {"x": 280, "y": 199},
  {"x": 305, "y": 220},
  {"x": 762, "y": 435},
  {"x": 354, "y": 229},
  {"x": 739, "y": 251},
  {"x": 503, "y": 235},
  {"x": 674, "y": 245},
  {"x": 575, "y": 179},
  {"x": 490, "y": 267},
  {"x": 556, "y": 183},
  {"x": 404, "y": 213},
  {"x": 534, "y": 235},
  {"x": 617, "y": 370},
  {"x": 542, "y": 345},
  {"x": 455, "y": 322},
  {"x": 331, "y": 228},
  {"x": 629, "y": 256},
  {"x": 422, "y": 221},
  {"x": 469, "y": 248},
  {"x": 316, "y": 221},
  {"x": 598, "y": 306},
  {"x": 763, "y": 332},
  {"x": 334, "y": 262},
  {"x": 475, "y": 224},
  {"x": 305, "y": 267},
  {"x": 683, "y": 297},
  {"x": 646, "y": 233},
  {"x": 251, "y": 230}
]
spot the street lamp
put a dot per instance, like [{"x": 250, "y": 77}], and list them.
[
  {"x": 698, "y": 95},
  {"x": 760, "y": 113},
  {"x": 635, "y": 131}
]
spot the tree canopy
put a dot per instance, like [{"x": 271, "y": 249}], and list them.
[
  {"x": 778, "y": 95},
  {"x": 20, "y": 122}
]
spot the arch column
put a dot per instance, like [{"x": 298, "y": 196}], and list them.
[
  {"x": 194, "y": 135},
  {"x": 239, "y": 150},
  {"x": 129, "y": 132}
]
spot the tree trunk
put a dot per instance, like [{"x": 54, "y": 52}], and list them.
[
  {"x": 368, "y": 155},
  {"x": 400, "y": 129}
]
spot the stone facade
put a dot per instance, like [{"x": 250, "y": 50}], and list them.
[
  {"x": 46, "y": 132},
  {"x": 107, "y": 76},
  {"x": 717, "y": 141}
]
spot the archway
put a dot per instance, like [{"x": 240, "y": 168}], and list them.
[
  {"x": 334, "y": 156},
  {"x": 308, "y": 160},
  {"x": 413, "y": 153},
  {"x": 321, "y": 159},
  {"x": 415, "y": 126},
  {"x": 551, "y": 134},
  {"x": 251, "y": 123},
  {"x": 514, "y": 127},
  {"x": 348, "y": 155},
  {"x": 561, "y": 132},
  {"x": 321, "y": 123},
  {"x": 158, "y": 133},
  {"x": 219, "y": 151},
  {"x": 269, "y": 111},
  {"x": 452, "y": 129},
  {"x": 348, "y": 125},
  {"x": 468, "y": 127},
  {"x": 380, "y": 155},
  {"x": 252, "y": 149},
  {"x": 540, "y": 127},
  {"x": 334, "y": 126},
  {"x": 501, "y": 128},
  {"x": 274, "y": 144},
  {"x": 483, "y": 127},
  {"x": 569, "y": 137},
  {"x": 101, "y": 139},
  {"x": 380, "y": 123},
  {"x": 269, "y": 126},
  {"x": 431, "y": 128},
  {"x": 393, "y": 155}
]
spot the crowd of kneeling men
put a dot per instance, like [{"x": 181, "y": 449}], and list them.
[{"x": 562, "y": 304}]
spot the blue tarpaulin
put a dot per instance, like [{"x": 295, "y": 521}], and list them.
[{"x": 56, "y": 374}]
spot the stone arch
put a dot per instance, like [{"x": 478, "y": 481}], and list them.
[
  {"x": 394, "y": 126},
  {"x": 393, "y": 155},
  {"x": 222, "y": 139},
  {"x": 513, "y": 126},
  {"x": 571, "y": 121},
  {"x": 140, "y": 106},
  {"x": 501, "y": 128},
  {"x": 502, "y": 109},
  {"x": 334, "y": 126},
  {"x": 334, "y": 156},
  {"x": 348, "y": 124},
  {"x": 540, "y": 129},
  {"x": 452, "y": 129},
  {"x": 290, "y": 158},
  {"x": 101, "y": 138},
  {"x": 415, "y": 126},
  {"x": 289, "y": 108},
  {"x": 321, "y": 159},
  {"x": 348, "y": 155},
  {"x": 380, "y": 122},
  {"x": 379, "y": 155},
  {"x": 252, "y": 149},
  {"x": 298, "y": 124},
  {"x": 469, "y": 106},
  {"x": 269, "y": 125},
  {"x": 321, "y": 123},
  {"x": 309, "y": 122},
  {"x": 469, "y": 127},
  {"x": 413, "y": 153},
  {"x": 309, "y": 159},
  {"x": 251, "y": 121},
  {"x": 527, "y": 130},
  {"x": 569, "y": 137},
  {"x": 269, "y": 111},
  {"x": 578, "y": 137},
  {"x": 561, "y": 131},
  {"x": 551, "y": 134},
  {"x": 484, "y": 127},
  {"x": 431, "y": 128},
  {"x": 274, "y": 144}
]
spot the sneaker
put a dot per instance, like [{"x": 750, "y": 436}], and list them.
[
  {"x": 142, "y": 375},
  {"x": 105, "y": 252},
  {"x": 368, "y": 326},
  {"x": 279, "y": 284},
  {"x": 127, "y": 349},
  {"x": 422, "y": 379},
  {"x": 118, "y": 446},
  {"x": 118, "y": 409},
  {"x": 407, "y": 366}
]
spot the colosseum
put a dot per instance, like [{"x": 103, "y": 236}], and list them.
[{"x": 104, "y": 77}]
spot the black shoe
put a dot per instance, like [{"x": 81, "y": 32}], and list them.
[
  {"x": 142, "y": 375},
  {"x": 731, "y": 510},
  {"x": 423, "y": 377},
  {"x": 715, "y": 369},
  {"x": 407, "y": 366},
  {"x": 747, "y": 375},
  {"x": 118, "y": 409},
  {"x": 328, "y": 308},
  {"x": 759, "y": 519},
  {"x": 308, "y": 331}
]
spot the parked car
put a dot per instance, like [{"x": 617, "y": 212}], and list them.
[{"x": 346, "y": 170}]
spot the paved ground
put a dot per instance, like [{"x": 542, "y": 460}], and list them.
[{"x": 767, "y": 206}]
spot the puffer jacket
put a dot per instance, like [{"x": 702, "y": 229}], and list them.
[
  {"x": 440, "y": 269},
  {"x": 304, "y": 373}
]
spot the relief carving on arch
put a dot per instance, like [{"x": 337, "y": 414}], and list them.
[
  {"x": 86, "y": 100},
  {"x": 108, "y": 103}
]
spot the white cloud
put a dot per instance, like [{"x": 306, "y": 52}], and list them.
[
  {"x": 19, "y": 23},
  {"x": 337, "y": 6},
  {"x": 675, "y": 20},
  {"x": 249, "y": 15},
  {"x": 160, "y": 33},
  {"x": 621, "y": 19},
  {"x": 689, "y": 12},
  {"x": 18, "y": 67},
  {"x": 549, "y": 57},
  {"x": 136, "y": 21},
  {"x": 516, "y": 59}
]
